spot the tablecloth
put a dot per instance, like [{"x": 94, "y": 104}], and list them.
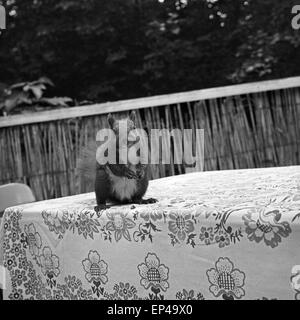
[{"x": 212, "y": 235}]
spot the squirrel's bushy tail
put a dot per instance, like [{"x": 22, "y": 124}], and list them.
[{"x": 86, "y": 167}]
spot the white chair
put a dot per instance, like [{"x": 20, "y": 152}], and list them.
[{"x": 13, "y": 194}]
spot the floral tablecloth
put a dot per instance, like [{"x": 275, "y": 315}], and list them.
[{"x": 212, "y": 235}]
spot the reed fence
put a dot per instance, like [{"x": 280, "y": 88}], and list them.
[{"x": 245, "y": 126}]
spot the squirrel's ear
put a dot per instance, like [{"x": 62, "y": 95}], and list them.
[
  {"x": 132, "y": 116},
  {"x": 110, "y": 120}
]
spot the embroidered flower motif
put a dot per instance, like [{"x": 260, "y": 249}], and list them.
[
  {"x": 34, "y": 239},
  {"x": 95, "y": 268},
  {"x": 14, "y": 235},
  {"x": 295, "y": 281},
  {"x": 23, "y": 263},
  {"x": 56, "y": 221},
  {"x": 125, "y": 291},
  {"x": 31, "y": 271},
  {"x": 226, "y": 280},
  {"x": 16, "y": 249},
  {"x": 19, "y": 277},
  {"x": 222, "y": 238},
  {"x": 153, "y": 214},
  {"x": 188, "y": 295},
  {"x": 84, "y": 294},
  {"x": 39, "y": 287},
  {"x": 47, "y": 294},
  {"x": 29, "y": 288},
  {"x": 263, "y": 224},
  {"x": 181, "y": 224},
  {"x": 87, "y": 225},
  {"x": 153, "y": 274},
  {"x": 57, "y": 295},
  {"x": 16, "y": 295},
  {"x": 119, "y": 224},
  {"x": 49, "y": 263},
  {"x": 10, "y": 263},
  {"x": 206, "y": 235},
  {"x": 6, "y": 225},
  {"x": 73, "y": 283}
]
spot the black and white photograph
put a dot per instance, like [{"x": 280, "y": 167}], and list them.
[{"x": 149, "y": 151}]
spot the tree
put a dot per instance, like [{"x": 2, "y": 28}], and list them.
[{"x": 118, "y": 49}]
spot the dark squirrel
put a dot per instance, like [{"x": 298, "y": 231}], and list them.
[{"x": 121, "y": 183}]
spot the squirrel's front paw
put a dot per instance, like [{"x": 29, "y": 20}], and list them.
[
  {"x": 130, "y": 174},
  {"x": 140, "y": 174}
]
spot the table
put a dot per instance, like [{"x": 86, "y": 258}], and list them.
[{"x": 212, "y": 235}]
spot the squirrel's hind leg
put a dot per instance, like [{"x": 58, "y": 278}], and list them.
[
  {"x": 102, "y": 189},
  {"x": 100, "y": 207}
]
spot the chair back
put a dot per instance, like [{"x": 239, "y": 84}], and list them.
[{"x": 13, "y": 194}]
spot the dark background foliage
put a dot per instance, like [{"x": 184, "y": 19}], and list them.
[{"x": 104, "y": 50}]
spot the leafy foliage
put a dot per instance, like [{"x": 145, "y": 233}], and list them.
[
  {"x": 117, "y": 49},
  {"x": 30, "y": 94}
]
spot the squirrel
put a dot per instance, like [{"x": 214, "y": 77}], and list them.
[{"x": 116, "y": 182}]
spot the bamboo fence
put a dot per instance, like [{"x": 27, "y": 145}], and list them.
[{"x": 245, "y": 126}]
